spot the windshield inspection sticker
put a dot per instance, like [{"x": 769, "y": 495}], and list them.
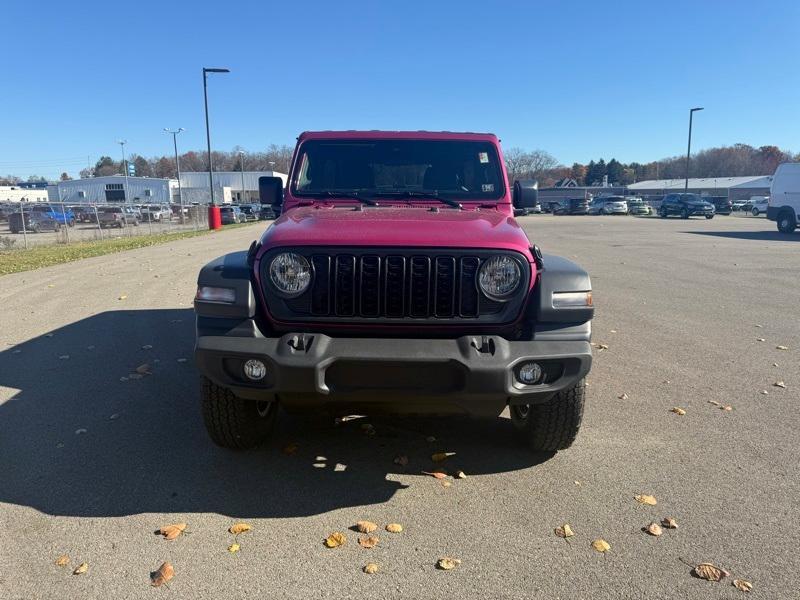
[
  {"x": 483, "y": 157},
  {"x": 487, "y": 187}
]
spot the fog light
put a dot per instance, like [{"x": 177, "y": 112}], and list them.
[
  {"x": 529, "y": 373},
  {"x": 255, "y": 369}
]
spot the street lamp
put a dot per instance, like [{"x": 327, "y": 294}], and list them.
[
  {"x": 241, "y": 156},
  {"x": 175, "y": 133},
  {"x": 213, "y": 212},
  {"x": 124, "y": 166},
  {"x": 689, "y": 150}
]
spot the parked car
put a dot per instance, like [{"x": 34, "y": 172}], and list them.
[
  {"x": 685, "y": 206},
  {"x": 156, "y": 212},
  {"x": 250, "y": 211},
  {"x": 5, "y": 210},
  {"x": 266, "y": 212},
  {"x": 784, "y": 197},
  {"x": 32, "y": 221},
  {"x": 85, "y": 214},
  {"x": 637, "y": 206},
  {"x": 231, "y": 214},
  {"x": 571, "y": 206},
  {"x": 758, "y": 205},
  {"x": 61, "y": 214},
  {"x": 343, "y": 310},
  {"x": 737, "y": 205},
  {"x": 722, "y": 204},
  {"x": 608, "y": 205},
  {"x": 116, "y": 216}
]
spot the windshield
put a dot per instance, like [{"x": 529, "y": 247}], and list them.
[{"x": 462, "y": 169}]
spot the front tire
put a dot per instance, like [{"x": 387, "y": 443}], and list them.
[
  {"x": 662, "y": 213},
  {"x": 754, "y": 212},
  {"x": 233, "y": 422},
  {"x": 786, "y": 222},
  {"x": 553, "y": 425},
  {"x": 709, "y": 216},
  {"x": 684, "y": 214}
]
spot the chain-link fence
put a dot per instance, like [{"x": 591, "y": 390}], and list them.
[{"x": 26, "y": 225}]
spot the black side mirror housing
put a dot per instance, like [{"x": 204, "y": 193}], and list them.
[
  {"x": 270, "y": 191},
  {"x": 526, "y": 193}
]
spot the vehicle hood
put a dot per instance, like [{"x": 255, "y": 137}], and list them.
[{"x": 396, "y": 226}]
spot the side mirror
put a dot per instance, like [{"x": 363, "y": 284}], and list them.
[
  {"x": 270, "y": 192},
  {"x": 526, "y": 193}
]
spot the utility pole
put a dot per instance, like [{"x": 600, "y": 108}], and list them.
[
  {"x": 213, "y": 211},
  {"x": 124, "y": 166},
  {"x": 175, "y": 133},
  {"x": 241, "y": 156},
  {"x": 689, "y": 149}
]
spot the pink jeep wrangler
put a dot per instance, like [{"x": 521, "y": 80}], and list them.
[{"x": 395, "y": 280}]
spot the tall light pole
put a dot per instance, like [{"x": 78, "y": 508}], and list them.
[
  {"x": 175, "y": 133},
  {"x": 689, "y": 149},
  {"x": 124, "y": 166},
  {"x": 213, "y": 212},
  {"x": 241, "y": 156}
]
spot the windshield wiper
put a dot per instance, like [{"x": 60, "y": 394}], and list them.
[
  {"x": 349, "y": 195},
  {"x": 433, "y": 195}
]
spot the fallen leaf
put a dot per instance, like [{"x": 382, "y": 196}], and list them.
[
  {"x": 441, "y": 456},
  {"x": 64, "y": 357},
  {"x": 80, "y": 431},
  {"x": 565, "y": 531},
  {"x": 122, "y": 297},
  {"x": 654, "y": 529},
  {"x": 366, "y": 526},
  {"x": 781, "y": 347},
  {"x": 239, "y": 528},
  {"x": 613, "y": 331},
  {"x": 726, "y": 408},
  {"x": 233, "y": 548},
  {"x": 170, "y": 532},
  {"x": 446, "y": 484},
  {"x": 760, "y": 340},
  {"x": 63, "y": 560},
  {"x": 743, "y": 585},
  {"x": 623, "y": 396},
  {"x": 335, "y": 540},
  {"x": 162, "y": 575},
  {"x": 368, "y": 541},
  {"x": 764, "y": 393},
  {"x": 779, "y": 384},
  {"x": 714, "y": 402},
  {"x": 646, "y": 499},
  {"x": 81, "y": 569},
  {"x": 143, "y": 369},
  {"x": 757, "y": 325},
  {"x": 669, "y": 523},
  {"x": 775, "y": 364},
  {"x": 147, "y": 347},
  {"x": 436, "y": 474},
  {"x": 430, "y": 439},
  {"x": 401, "y": 460},
  {"x": 678, "y": 411},
  {"x": 114, "y": 417},
  {"x": 447, "y": 563},
  {"x": 460, "y": 475},
  {"x": 370, "y": 568},
  {"x": 709, "y": 572},
  {"x": 290, "y": 449},
  {"x": 601, "y": 346},
  {"x": 394, "y": 528},
  {"x": 601, "y": 545}
]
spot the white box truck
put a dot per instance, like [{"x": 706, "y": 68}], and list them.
[{"x": 784, "y": 197}]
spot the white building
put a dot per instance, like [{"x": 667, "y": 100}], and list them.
[
  {"x": 734, "y": 188},
  {"x": 14, "y": 193},
  {"x": 229, "y": 186},
  {"x": 140, "y": 190}
]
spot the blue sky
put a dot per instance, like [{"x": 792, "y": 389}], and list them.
[{"x": 580, "y": 80}]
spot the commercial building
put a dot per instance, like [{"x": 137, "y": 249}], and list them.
[
  {"x": 735, "y": 188},
  {"x": 112, "y": 188},
  {"x": 229, "y": 186},
  {"x": 16, "y": 193}
]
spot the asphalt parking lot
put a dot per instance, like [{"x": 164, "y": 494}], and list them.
[{"x": 92, "y": 461}]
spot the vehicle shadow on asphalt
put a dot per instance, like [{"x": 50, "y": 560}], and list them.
[
  {"x": 80, "y": 437},
  {"x": 761, "y": 236}
]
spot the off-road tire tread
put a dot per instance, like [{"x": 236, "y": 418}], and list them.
[
  {"x": 231, "y": 421},
  {"x": 554, "y": 425}
]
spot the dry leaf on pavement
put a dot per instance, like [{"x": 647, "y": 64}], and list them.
[
  {"x": 81, "y": 569},
  {"x": 743, "y": 584},
  {"x": 366, "y": 526},
  {"x": 447, "y": 563},
  {"x": 234, "y": 548},
  {"x": 779, "y": 384},
  {"x": 654, "y": 529},
  {"x": 460, "y": 475},
  {"x": 623, "y": 396},
  {"x": 368, "y": 541},
  {"x": 678, "y": 411},
  {"x": 63, "y": 560},
  {"x": 394, "y": 528},
  {"x": 335, "y": 540},
  {"x": 709, "y": 572},
  {"x": 601, "y": 545},
  {"x": 170, "y": 532},
  {"x": 646, "y": 499},
  {"x": 162, "y": 575},
  {"x": 781, "y": 347},
  {"x": 239, "y": 528},
  {"x": 669, "y": 523},
  {"x": 143, "y": 369},
  {"x": 436, "y": 474},
  {"x": 370, "y": 568},
  {"x": 726, "y": 408},
  {"x": 565, "y": 531}
]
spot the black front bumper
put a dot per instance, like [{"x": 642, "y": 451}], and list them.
[{"x": 470, "y": 374}]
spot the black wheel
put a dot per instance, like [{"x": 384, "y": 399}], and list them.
[
  {"x": 662, "y": 212},
  {"x": 786, "y": 222},
  {"x": 754, "y": 212},
  {"x": 72, "y": 222},
  {"x": 553, "y": 425},
  {"x": 35, "y": 229},
  {"x": 235, "y": 423},
  {"x": 602, "y": 211},
  {"x": 684, "y": 214},
  {"x": 709, "y": 216}
]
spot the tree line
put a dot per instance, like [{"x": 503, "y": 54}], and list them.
[{"x": 723, "y": 161}]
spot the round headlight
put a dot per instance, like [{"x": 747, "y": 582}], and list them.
[
  {"x": 290, "y": 273},
  {"x": 499, "y": 277}
]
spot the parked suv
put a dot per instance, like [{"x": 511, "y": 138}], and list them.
[
  {"x": 637, "y": 206},
  {"x": 116, "y": 216},
  {"x": 156, "y": 212},
  {"x": 608, "y": 205},
  {"x": 685, "y": 205},
  {"x": 758, "y": 205},
  {"x": 35, "y": 221},
  {"x": 396, "y": 280},
  {"x": 722, "y": 204},
  {"x": 231, "y": 214}
]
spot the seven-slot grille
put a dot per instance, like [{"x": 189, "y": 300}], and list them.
[{"x": 394, "y": 286}]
